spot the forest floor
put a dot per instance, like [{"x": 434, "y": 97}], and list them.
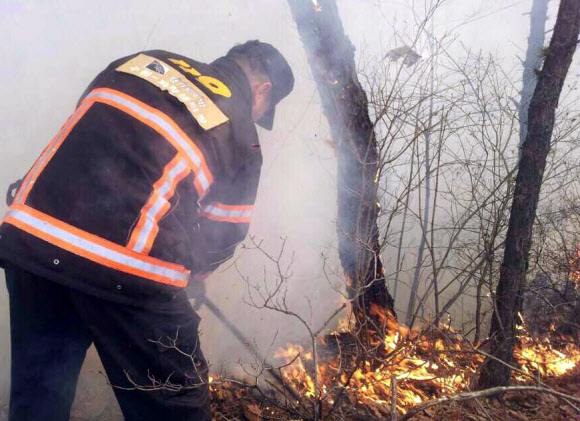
[
  {"x": 237, "y": 404},
  {"x": 232, "y": 403},
  {"x": 517, "y": 406},
  {"x": 95, "y": 402}
]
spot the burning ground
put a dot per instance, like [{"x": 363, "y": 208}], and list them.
[{"x": 392, "y": 372}]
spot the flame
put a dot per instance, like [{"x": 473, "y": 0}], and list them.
[
  {"x": 538, "y": 356},
  {"x": 424, "y": 364}
]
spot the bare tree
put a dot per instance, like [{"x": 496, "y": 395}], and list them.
[
  {"x": 331, "y": 57},
  {"x": 426, "y": 208},
  {"x": 533, "y": 61},
  {"x": 531, "y": 168}
]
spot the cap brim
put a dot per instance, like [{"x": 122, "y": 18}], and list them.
[{"x": 267, "y": 120}]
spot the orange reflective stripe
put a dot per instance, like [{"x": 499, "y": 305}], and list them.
[
  {"x": 157, "y": 206},
  {"x": 49, "y": 152},
  {"x": 95, "y": 248},
  {"x": 150, "y": 116},
  {"x": 236, "y": 214},
  {"x": 165, "y": 126}
]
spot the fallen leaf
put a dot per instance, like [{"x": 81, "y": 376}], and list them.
[
  {"x": 517, "y": 415},
  {"x": 253, "y": 412}
]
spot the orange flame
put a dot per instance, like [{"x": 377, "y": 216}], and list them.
[{"x": 425, "y": 364}]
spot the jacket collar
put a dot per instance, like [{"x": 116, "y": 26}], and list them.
[{"x": 235, "y": 74}]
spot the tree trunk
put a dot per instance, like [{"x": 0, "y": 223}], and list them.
[
  {"x": 426, "y": 206},
  {"x": 508, "y": 297},
  {"x": 538, "y": 17},
  {"x": 331, "y": 58},
  {"x": 403, "y": 224}
]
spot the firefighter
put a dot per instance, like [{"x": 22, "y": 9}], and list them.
[{"x": 148, "y": 186}]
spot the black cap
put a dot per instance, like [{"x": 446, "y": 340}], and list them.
[{"x": 277, "y": 69}]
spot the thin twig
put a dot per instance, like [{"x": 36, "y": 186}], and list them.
[
  {"x": 393, "y": 398},
  {"x": 486, "y": 393}
]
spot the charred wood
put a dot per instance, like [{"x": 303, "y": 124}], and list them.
[{"x": 331, "y": 58}]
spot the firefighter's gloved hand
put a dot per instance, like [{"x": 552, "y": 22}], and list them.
[{"x": 195, "y": 289}]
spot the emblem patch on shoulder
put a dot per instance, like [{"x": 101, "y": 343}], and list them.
[
  {"x": 157, "y": 67},
  {"x": 166, "y": 78}
]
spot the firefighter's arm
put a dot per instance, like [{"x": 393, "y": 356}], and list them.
[
  {"x": 224, "y": 218},
  {"x": 221, "y": 227},
  {"x": 223, "y": 222},
  {"x": 225, "y": 213}
]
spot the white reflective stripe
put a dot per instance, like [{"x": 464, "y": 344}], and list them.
[
  {"x": 227, "y": 213},
  {"x": 151, "y": 216},
  {"x": 95, "y": 248},
  {"x": 184, "y": 144},
  {"x": 49, "y": 151},
  {"x": 173, "y": 173},
  {"x": 147, "y": 227}
]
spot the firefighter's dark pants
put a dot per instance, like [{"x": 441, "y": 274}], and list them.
[{"x": 52, "y": 326}]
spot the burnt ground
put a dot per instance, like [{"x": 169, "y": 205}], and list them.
[
  {"x": 95, "y": 402},
  {"x": 233, "y": 403}
]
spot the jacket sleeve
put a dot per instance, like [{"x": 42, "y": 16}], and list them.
[
  {"x": 224, "y": 219},
  {"x": 225, "y": 213}
]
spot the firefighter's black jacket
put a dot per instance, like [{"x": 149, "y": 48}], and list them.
[{"x": 152, "y": 178}]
